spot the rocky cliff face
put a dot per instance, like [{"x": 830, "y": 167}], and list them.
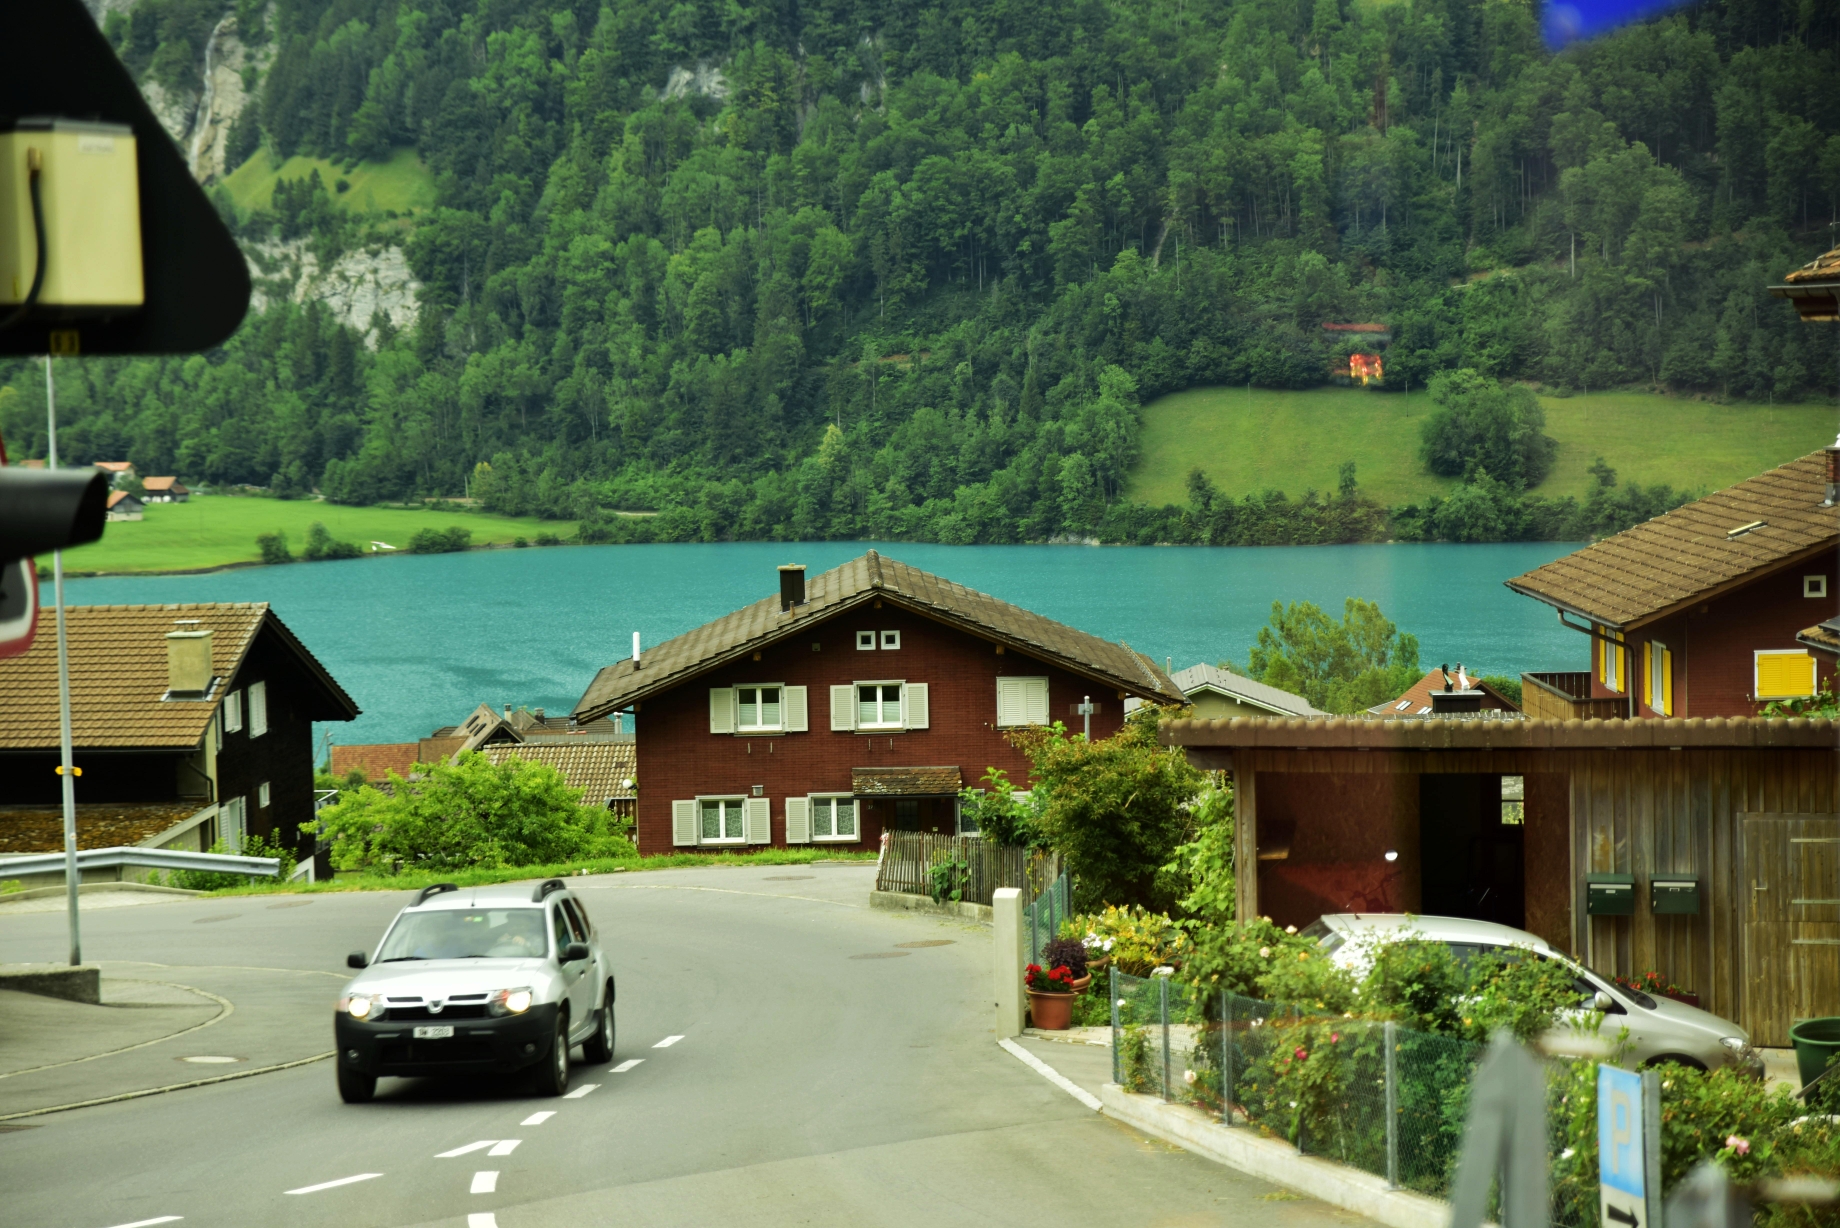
[{"x": 358, "y": 288}]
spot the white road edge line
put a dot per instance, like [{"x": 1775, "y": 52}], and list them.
[
  {"x": 504, "y": 1147},
  {"x": 627, "y": 1065},
  {"x": 167, "y": 1219},
  {"x": 537, "y": 1119},
  {"x": 485, "y": 1182},
  {"x": 667, "y": 1042},
  {"x": 1051, "y": 1075},
  {"x": 481, "y": 1145},
  {"x": 327, "y": 1185},
  {"x": 482, "y": 1219},
  {"x": 581, "y": 1091}
]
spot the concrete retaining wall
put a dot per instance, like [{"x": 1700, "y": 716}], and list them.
[{"x": 898, "y": 901}]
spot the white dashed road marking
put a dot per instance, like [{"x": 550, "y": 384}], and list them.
[
  {"x": 481, "y": 1145},
  {"x": 537, "y": 1119},
  {"x": 327, "y": 1185},
  {"x": 627, "y": 1065},
  {"x": 505, "y": 1147},
  {"x": 667, "y": 1042},
  {"x": 581, "y": 1091},
  {"x": 167, "y": 1219},
  {"x": 485, "y": 1182},
  {"x": 482, "y": 1219}
]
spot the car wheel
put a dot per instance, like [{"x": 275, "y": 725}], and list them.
[
  {"x": 552, "y": 1076},
  {"x": 1675, "y": 1059},
  {"x": 598, "y": 1048},
  {"x": 354, "y": 1086}
]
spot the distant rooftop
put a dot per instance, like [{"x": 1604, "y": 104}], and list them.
[{"x": 1246, "y": 690}]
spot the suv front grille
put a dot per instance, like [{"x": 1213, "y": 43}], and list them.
[
  {"x": 421, "y": 1014},
  {"x": 422, "y": 1052}
]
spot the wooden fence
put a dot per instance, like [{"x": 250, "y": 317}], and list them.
[{"x": 980, "y": 867}]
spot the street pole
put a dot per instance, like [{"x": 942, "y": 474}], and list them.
[
  {"x": 66, "y": 769},
  {"x": 1086, "y": 710}
]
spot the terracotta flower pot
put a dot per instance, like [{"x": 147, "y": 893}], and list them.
[
  {"x": 1097, "y": 965},
  {"x": 1051, "y": 1012},
  {"x": 1079, "y": 984}
]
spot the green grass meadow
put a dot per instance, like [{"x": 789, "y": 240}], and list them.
[
  {"x": 1249, "y": 442},
  {"x": 220, "y": 530},
  {"x": 401, "y": 183}
]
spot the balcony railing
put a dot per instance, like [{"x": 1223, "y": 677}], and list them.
[{"x": 1566, "y": 695}]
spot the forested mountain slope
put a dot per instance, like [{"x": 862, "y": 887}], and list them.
[{"x": 858, "y": 267}]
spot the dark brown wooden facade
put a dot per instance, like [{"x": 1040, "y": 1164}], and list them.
[{"x": 1749, "y": 807}]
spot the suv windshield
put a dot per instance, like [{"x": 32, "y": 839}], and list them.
[{"x": 466, "y": 933}]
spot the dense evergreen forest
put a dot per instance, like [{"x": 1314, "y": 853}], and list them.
[{"x": 853, "y": 268}]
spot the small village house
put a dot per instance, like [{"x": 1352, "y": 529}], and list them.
[
  {"x": 1217, "y": 693},
  {"x": 124, "y": 506},
  {"x": 119, "y": 472},
  {"x": 165, "y": 490},
  {"x": 859, "y": 702},
  {"x": 1445, "y": 690},
  {"x": 191, "y": 724}
]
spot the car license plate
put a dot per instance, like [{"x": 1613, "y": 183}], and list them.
[{"x": 440, "y": 1032}]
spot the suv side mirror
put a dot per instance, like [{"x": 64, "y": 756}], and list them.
[
  {"x": 357, "y": 959},
  {"x": 1601, "y": 1001},
  {"x": 574, "y": 952}
]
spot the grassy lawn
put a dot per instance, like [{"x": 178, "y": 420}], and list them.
[
  {"x": 1291, "y": 441},
  {"x": 402, "y": 183},
  {"x": 217, "y": 530}
]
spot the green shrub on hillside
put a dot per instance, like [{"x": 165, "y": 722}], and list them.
[
  {"x": 274, "y": 547},
  {"x": 440, "y": 541},
  {"x": 322, "y": 545},
  {"x": 1344, "y": 666},
  {"x": 1480, "y": 425}
]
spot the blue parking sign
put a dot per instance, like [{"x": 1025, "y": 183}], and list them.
[{"x": 1620, "y": 1150}]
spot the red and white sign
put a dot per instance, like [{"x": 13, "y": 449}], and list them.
[{"x": 18, "y": 606}]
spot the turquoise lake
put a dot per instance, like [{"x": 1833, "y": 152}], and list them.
[{"x": 420, "y": 640}]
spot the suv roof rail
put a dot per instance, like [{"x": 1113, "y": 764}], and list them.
[
  {"x": 545, "y": 887},
  {"x": 433, "y": 889}
]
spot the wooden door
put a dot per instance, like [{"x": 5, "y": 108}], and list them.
[{"x": 1792, "y": 922}]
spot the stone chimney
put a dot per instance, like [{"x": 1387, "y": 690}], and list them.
[
  {"x": 791, "y": 586},
  {"x": 188, "y": 659}
]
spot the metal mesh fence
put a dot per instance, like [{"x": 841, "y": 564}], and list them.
[{"x": 1042, "y": 917}]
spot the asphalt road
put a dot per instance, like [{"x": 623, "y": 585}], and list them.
[{"x": 823, "y": 1073}]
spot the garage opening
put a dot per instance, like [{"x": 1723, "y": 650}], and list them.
[{"x": 1471, "y": 838}]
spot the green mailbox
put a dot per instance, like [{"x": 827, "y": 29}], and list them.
[
  {"x": 1610, "y": 895},
  {"x": 1674, "y": 895}
]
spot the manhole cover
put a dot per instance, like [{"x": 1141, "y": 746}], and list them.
[
  {"x": 291, "y": 904},
  {"x": 211, "y": 1060},
  {"x": 789, "y": 878},
  {"x": 930, "y": 942},
  {"x": 880, "y": 955},
  {"x": 222, "y": 916}
]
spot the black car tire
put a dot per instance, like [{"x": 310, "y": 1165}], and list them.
[
  {"x": 355, "y": 1087},
  {"x": 598, "y": 1048},
  {"x": 551, "y": 1076}
]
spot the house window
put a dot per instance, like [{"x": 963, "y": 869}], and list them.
[
  {"x": 1783, "y": 674},
  {"x": 1814, "y": 586},
  {"x": 1658, "y": 678},
  {"x": 878, "y": 705},
  {"x": 891, "y": 640},
  {"x": 232, "y": 823},
  {"x": 865, "y": 641},
  {"x": 262, "y": 796},
  {"x": 1513, "y": 801},
  {"x": 233, "y": 712},
  {"x": 722, "y": 820},
  {"x": 1022, "y": 701},
  {"x": 1610, "y": 668},
  {"x": 833, "y": 818},
  {"x": 258, "y": 709},
  {"x": 757, "y": 708}
]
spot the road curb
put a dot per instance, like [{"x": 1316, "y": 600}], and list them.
[
  {"x": 1278, "y": 1162},
  {"x": 40, "y": 893},
  {"x": 901, "y": 901},
  {"x": 171, "y": 1087},
  {"x": 72, "y": 982}
]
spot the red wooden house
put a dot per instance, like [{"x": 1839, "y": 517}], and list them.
[
  {"x": 858, "y": 703},
  {"x": 1698, "y": 612}
]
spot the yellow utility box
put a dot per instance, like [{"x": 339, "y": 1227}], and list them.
[{"x": 89, "y": 200}]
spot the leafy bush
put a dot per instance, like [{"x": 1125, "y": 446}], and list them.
[
  {"x": 1205, "y": 863},
  {"x": 214, "y": 880},
  {"x": 1344, "y": 666},
  {"x": 1068, "y": 953},
  {"x": 1480, "y": 425},
  {"x": 1508, "y": 684},
  {"x": 440, "y": 541},
  {"x": 1004, "y": 813},
  {"x": 1137, "y": 939},
  {"x": 274, "y": 548},
  {"x": 472, "y": 813},
  {"x": 322, "y": 545},
  {"x": 947, "y": 876},
  {"x": 548, "y": 539}
]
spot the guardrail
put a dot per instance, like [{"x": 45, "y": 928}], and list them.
[{"x": 159, "y": 859}]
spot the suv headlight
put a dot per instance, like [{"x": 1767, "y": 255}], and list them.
[
  {"x": 363, "y": 1006},
  {"x": 510, "y": 1001},
  {"x": 1737, "y": 1044}
]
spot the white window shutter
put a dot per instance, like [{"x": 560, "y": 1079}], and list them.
[
  {"x": 258, "y": 709},
  {"x": 1035, "y": 708},
  {"x": 1007, "y": 695},
  {"x": 683, "y": 823},
  {"x": 798, "y": 820},
  {"x": 916, "y": 705},
  {"x": 721, "y": 709},
  {"x": 794, "y": 712},
  {"x": 843, "y": 708},
  {"x": 757, "y": 820}
]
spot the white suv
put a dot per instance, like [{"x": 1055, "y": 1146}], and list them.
[{"x": 474, "y": 980}]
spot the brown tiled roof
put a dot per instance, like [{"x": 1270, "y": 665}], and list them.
[
  {"x": 118, "y": 496},
  {"x": 1689, "y": 554},
  {"x": 162, "y": 484},
  {"x": 115, "y": 466},
  {"x": 1417, "y": 698},
  {"x": 598, "y": 769},
  {"x": 98, "y": 826},
  {"x": 376, "y": 760},
  {"x": 1811, "y": 289},
  {"x": 1825, "y": 636},
  {"x": 857, "y": 582},
  {"x": 904, "y": 781},
  {"x": 1491, "y": 732},
  {"x": 118, "y": 676},
  {"x": 1825, "y": 267}
]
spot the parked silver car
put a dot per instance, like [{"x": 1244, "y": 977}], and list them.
[
  {"x": 1660, "y": 1029},
  {"x": 475, "y": 980}
]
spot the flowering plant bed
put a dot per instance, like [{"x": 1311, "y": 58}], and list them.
[
  {"x": 1054, "y": 980},
  {"x": 1658, "y": 985}
]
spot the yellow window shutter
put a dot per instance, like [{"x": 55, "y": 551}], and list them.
[
  {"x": 1784, "y": 675},
  {"x": 1667, "y": 683},
  {"x": 1648, "y": 676}
]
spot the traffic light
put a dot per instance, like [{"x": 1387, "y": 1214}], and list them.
[{"x": 41, "y": 510}]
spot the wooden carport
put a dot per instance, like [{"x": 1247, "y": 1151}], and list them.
[{"x": 1749, "y": 806}]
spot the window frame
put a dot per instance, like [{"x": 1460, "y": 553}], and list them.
[
  {"x": 866, "y": 641},
  {"x": 1613, "y": 662},
  {"x": 900, "y": 704},
  {"x": 888, "y": 641},
  {"x": 778, "y": 726},
  {"x": 233, "y": 712},
  {"x": 258, "y": 708},
  {"x": 738, "y": 801},
  {"x": 263, "y": 795},
  {"x": 831, "y": 799},
  {"x": 1047, "y": 693},
  {"x": 1814, "y": 586}
]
